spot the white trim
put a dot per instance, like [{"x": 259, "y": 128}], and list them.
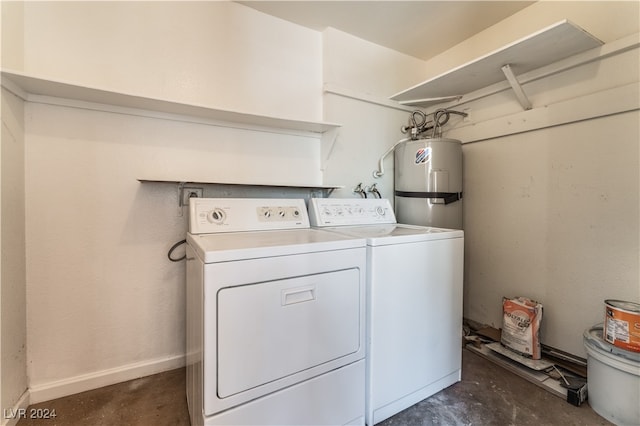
[
  {"x": 72, "y": 385},
  {"x": 22, "y": 404},
  {"x": 607, "y": 102}
]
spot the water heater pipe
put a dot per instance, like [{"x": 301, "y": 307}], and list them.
[{"x": 378, "y": 173}]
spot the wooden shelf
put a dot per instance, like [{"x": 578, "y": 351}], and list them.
[
  {"x": 268, "y": 185},
  {"x": 183, "y": 183},
  {"x": 549, "y": 45},
  {"x": 32, "y": 88}
]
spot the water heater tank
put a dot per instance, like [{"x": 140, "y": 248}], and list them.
[{"x": 428, "y": 183}]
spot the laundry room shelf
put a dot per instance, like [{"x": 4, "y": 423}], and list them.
[
  {"x": 326, "y": 190},
  {"x": 32, "y": 88},
  {"x": 272, "y": 185},
  {"x": 549, "y": 45}
]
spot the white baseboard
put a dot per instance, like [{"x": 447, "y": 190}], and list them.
[
  {"x": 84, "y": 382},
  {"x": 11, "y": 416}
]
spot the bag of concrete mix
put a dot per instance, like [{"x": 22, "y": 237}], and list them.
[{"x": 521, "y": 326}]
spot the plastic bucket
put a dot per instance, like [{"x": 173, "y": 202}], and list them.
[{"x": 613, "y": 376}]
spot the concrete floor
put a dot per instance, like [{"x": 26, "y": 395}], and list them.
[{"x": 487, "y": 395}]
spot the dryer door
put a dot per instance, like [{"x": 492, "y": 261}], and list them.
[
  {"x": 272, "y": 323},
  {"x": 271, "y": 330}
]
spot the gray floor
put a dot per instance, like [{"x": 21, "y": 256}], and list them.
[{"x": 487, "y": 395}]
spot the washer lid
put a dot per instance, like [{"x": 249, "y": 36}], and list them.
[
  {"x": 231, "y": 246},
  {"x": 378, "y": 235}
]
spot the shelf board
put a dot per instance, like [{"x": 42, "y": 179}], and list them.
[
  {"x": 542, "y": 48},
  {"x": 264, "y": 185},
  {"x": 31, "y": 87}
]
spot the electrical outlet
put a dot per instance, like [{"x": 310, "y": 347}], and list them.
[{"x": 188, "y": 192}]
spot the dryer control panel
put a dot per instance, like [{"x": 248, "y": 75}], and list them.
[
  {"x": 348, "y": 211},
  {"x": 214, "y": 215}
]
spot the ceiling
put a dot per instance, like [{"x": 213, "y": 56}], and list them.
[{"x": 422, "y": 29}]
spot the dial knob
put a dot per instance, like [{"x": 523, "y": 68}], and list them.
[
  {"x": 216, "y": 215},
  {"x": 380, "y": 211}
]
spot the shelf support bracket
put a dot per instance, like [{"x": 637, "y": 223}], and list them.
[
  {"x": 180, "y": 205},
  {"x": 327, "y": 142},
  {"x": 517, "y": 88}
]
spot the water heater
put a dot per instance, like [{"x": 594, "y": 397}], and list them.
[{"x": 428, "y": 182}]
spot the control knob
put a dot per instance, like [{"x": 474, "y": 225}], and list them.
[{"x": 216, "y": 215}]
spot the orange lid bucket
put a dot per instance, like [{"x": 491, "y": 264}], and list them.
[{"x": 622, "y": 324}]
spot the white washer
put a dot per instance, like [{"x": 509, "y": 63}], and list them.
[
  {"x": 414, "y": 303},
  {"x": 275, "y": 316}
]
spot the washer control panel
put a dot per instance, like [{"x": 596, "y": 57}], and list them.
[
  {"x": 348, "y": 211},
  {"x": 214, "y": 215}
]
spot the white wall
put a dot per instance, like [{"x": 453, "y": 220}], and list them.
[
  {"x": 12, "y": 34},
  {"x": 362, "y": 76},
  {"x": 553, "y": 213},
  {"x": 13, "y": 326},
  {"x": 102, "y": 294},
  {"x": 219, "y": 54},
  {"x": 13, "y": 333}
]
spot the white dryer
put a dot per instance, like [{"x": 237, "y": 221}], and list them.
[
  {"x": 414, "y": 302},
  {"x": 275, "y": 316}
]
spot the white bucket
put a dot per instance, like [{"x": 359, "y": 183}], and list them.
[{"x": 613, "y": 379}]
